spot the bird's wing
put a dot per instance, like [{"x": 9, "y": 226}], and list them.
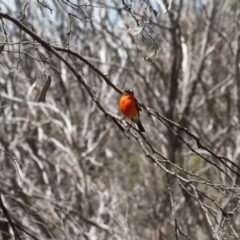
[{"x": 138, "y": 105}]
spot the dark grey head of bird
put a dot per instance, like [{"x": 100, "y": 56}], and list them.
[{"x": 128, "y": 91}]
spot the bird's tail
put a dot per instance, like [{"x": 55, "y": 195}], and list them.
[{"x": 141, "y": 128}]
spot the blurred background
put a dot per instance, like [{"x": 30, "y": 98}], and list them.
[{"x": 68, "y": 170}]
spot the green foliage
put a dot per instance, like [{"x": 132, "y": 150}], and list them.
[
  {"x": 193, "y": 163},
  {"x": 132, "y": 165}
]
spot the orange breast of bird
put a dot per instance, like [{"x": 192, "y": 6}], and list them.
[{"x": 128, "y": 107}]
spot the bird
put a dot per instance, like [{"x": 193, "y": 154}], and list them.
[{"x": 130, "y": 108}]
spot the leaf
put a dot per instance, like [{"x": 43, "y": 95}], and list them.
[
  {"x": 169, "y": 5},
  {"x": 165, "y": 8},
  {"x": 157, "y": 14},
  {"x": 152, "y": 54},
  {"x": 31, "y": 88},
  {"x": 2, "y": 48},
  {"x": 134, "y": 31},
  {"x": 43, "y": 93}
]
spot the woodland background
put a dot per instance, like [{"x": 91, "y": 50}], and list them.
[{"x": 68, "y": 168}]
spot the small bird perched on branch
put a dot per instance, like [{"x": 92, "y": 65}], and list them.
[{"x": 130, "y": 108}]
